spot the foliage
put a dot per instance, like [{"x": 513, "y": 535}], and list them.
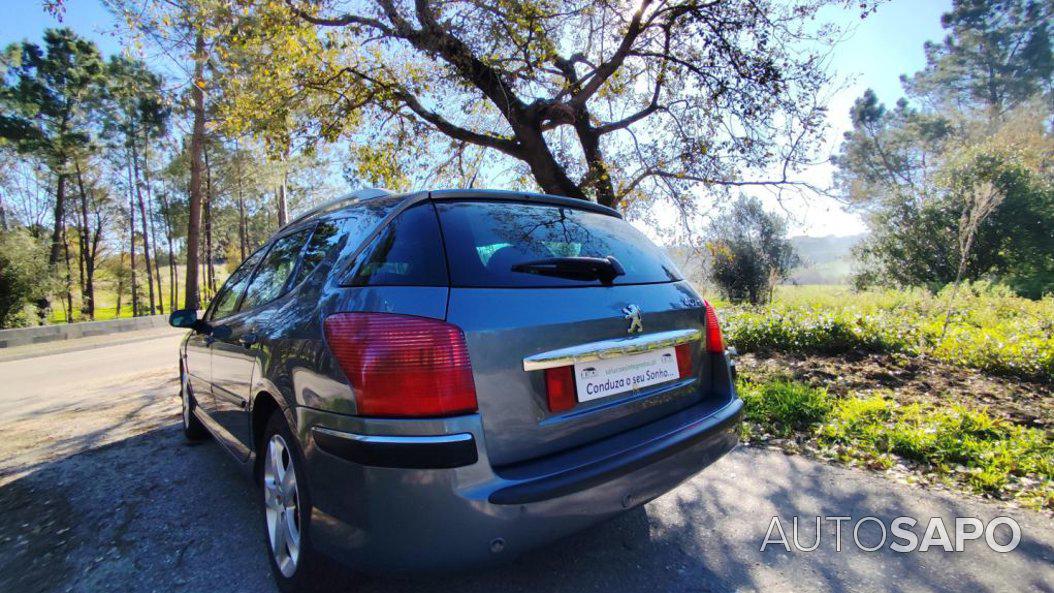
[
  {"x": 964, "y": 446},
  {"x": 976, "y": 124},
  {"x": 990, "y": 330},
  {"x": 46, "y": 94},
  {"x": 749, "y": 251},
  {"x": 674, "y": 93},
  {"x": 784, "y": 407},
  {"x": 23, "y": 274},
  {"x": 997, "y": 54}
]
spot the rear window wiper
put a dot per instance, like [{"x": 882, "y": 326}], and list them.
[{"x": 605, "y": 269}]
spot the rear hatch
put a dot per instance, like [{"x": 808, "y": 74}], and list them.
[{"x": 529, "y": 280}]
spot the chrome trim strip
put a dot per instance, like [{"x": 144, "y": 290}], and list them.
[
  {"x": 396, "y": 440},
  {"x": 610, "y": 349}
]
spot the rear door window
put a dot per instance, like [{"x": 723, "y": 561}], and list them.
[
  {"x": 324, "y": 240},
  {"x": 408, "y": 252},
  {"x": 226, "y": 301},
  {"x": 274, "y": 272},
  {"x": 486, "y": 240}
]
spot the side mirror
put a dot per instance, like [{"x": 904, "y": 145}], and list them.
[
  {"x": 188, "y": 318},
  {"x": 185, "y": 318}
]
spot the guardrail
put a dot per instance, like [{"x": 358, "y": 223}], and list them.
[{"x": 23, "y": 336}]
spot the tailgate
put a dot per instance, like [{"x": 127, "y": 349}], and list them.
[{"x": 504, "y": 326}]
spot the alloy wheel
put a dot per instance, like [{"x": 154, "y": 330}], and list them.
[{"x": 281, "y": 502}]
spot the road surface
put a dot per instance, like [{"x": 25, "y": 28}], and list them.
[{"x": 99, "y": 492}]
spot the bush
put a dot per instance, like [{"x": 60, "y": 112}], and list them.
[
  {"x": 749, "y": 251},
  {"x": 23, "y": 274}
]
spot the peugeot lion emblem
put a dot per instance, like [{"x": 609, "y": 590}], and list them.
[{"x": 632, "y": 312}]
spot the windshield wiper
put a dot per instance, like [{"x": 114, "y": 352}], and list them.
[{"x": 605, "y": 269}]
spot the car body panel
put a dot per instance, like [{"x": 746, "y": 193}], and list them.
[
  {"x": 503, "y": 326},
  {"x": 602, "y": 457}
]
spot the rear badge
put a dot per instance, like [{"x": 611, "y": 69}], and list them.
[{"x": 632, "y": 313}]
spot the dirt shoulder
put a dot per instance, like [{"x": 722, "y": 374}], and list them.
[{"x": 909, "y": 380}]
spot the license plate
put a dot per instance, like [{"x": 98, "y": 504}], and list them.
[{"x": 603, "y": 378}]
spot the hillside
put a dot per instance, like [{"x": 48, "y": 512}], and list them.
[{"x": 825, "y": 260}]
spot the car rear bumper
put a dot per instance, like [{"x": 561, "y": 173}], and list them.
[{"x": 383, "y": 505}]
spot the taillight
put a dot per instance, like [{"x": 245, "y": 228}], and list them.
[
  {"x": 715, "y": 343},
  {"x": 401, "y": 365},
  {"x": 560, "y": 387},
  {"x": 684, "y": 360}
]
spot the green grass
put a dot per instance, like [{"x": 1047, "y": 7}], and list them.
[
  {"x": 990, "y": 330},
  {"x": 106, "y": 297},
  {"x": 963, "y": 446}
]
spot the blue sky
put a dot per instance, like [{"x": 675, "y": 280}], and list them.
[{"x": 880, "y": 49}]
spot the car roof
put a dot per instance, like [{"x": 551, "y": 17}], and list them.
[{"x": 368, "y": 195}]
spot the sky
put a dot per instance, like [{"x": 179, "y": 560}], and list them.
[{"x": 879, "y": 49}]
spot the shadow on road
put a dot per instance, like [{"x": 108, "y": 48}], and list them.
[{"x": 152, "y": 513}]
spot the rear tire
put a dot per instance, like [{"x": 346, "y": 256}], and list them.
[
  {"x": 193, "y": 429},
  {"x": 296, "y": 565}
]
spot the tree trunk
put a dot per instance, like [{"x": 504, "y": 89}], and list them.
[
  {"x": 546, "y": 170},
  {"x": 69, "y": 277},
  {"x": 197, "y": 139},
  {"x": 171, "y": 255},
  {"x": 87, "y": 254},
  {"x": 120, "y": 283},
  {"x": 210, "y": 271},
  {"x": 60, "y": 214},
  {"x": 242, "y": 243},
  {"x": 280, "y": 192},
  {"x": 143, "y": 223},
  {"x": 131, "y": 240},
  {"x": 153, "y": 225}
]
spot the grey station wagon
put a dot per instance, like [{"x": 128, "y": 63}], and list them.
[{"x": 436, "y": 380}]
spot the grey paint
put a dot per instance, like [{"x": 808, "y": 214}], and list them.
[{"x": 383, "y": 518}]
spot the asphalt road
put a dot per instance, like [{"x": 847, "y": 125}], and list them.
[{"x": 99, "y": 492}]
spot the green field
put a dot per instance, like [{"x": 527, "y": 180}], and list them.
[
  {"x": 961, "y": 442},
  {"x": 106, "y": 297},
  {"x": 990, "y": 329}
]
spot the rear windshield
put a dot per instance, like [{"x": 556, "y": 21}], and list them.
[{"x": 485, "y": 240}]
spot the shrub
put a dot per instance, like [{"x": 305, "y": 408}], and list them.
[{"x": 23, "y": 275}]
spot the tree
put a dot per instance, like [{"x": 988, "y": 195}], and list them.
[
  {"x": 749, "y": 251},
  {"x": 997, "y": 55},
  {"x": 138, "y": 115},
  {"x": 988, "y": 214},
  {"x": 953, "y": 180},
  {"x": 611, "y": 101},
  {"x": 45, "y": 95}
]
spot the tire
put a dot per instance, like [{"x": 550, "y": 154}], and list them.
[
  {"x": 299, "y": 568},
  {"x": 193, "y": 429}
]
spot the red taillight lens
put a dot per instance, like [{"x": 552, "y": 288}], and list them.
[
  {"x": 684, "y": 360},
  {"x": 715, "y": 343},
  {"x": 401, "y": 365},
  {"x": 560, "y": 386}
]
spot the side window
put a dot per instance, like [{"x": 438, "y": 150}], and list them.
[
  {"x": 276, "y": 268},
  {"x": 325, "y": 238},
  {"x": 227, "y": 298},
  {"x": 408, "y": 252}
]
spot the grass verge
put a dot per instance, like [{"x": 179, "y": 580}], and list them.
[
  {"x": 960, "y": 446},
  {"x": 990, "y": 330}
]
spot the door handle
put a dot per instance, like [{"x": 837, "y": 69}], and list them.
[{"x": 248, "y": 340}]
